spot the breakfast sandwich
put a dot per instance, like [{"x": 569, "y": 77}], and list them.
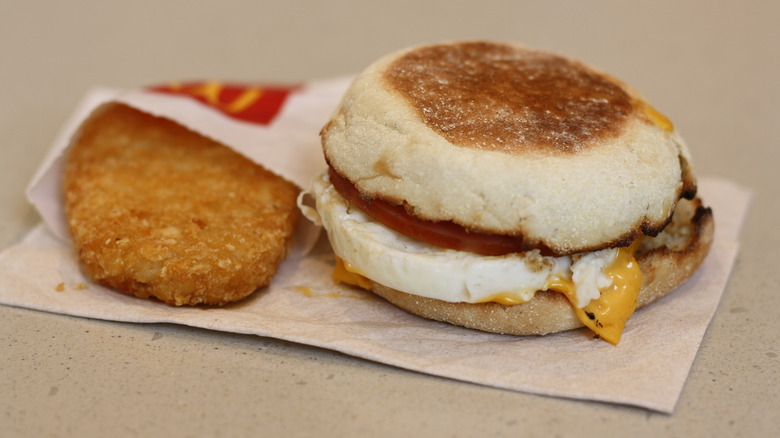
[{"x": 507, "y": 189}]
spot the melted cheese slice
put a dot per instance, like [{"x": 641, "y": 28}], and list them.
[
  {"x": 607, "y": 315},
  {"x": 602, "y": 286}
]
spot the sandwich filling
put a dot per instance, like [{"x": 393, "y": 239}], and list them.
[{"x": 602, "y": 286}]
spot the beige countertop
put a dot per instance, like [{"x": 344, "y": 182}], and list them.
[{"x": 712, "y": 67}]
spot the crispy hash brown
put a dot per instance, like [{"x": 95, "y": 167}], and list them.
[{"x": 156, "y": 210}]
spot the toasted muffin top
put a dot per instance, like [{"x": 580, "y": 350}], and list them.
[{"x": 508, "y": 98}]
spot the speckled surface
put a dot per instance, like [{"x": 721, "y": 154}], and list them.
[{"x": 712, "y": 70}]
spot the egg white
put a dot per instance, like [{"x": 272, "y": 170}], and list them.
[{"x": 375, "y": 251}]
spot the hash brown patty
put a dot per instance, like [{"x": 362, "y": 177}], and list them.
[{"x": 156, "y": 210}]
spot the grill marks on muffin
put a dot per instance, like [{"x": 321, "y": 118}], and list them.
[{"x": 501, "y": 97}]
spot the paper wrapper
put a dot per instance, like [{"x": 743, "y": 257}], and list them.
[{"x": 648, "y": 368}]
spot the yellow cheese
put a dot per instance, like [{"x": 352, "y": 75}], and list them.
[
  {"x": 608, "y": 314},
  {"x": 345, "y": 273},
  {"x": 659, "y": 119},
  {"x": 506, "y": 298}
]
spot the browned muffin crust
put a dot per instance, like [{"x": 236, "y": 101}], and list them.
[{"x": 501, "y": 97}]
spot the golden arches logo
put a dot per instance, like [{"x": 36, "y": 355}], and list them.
[{"x": 250, "y": 103}]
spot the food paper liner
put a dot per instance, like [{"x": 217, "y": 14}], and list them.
[{"x": 647, "y": 369}]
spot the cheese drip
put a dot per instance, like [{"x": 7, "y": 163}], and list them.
[{"x": 607, "y": 315}]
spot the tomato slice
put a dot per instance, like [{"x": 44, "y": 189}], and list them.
[{"x": 445, "y": 234}]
